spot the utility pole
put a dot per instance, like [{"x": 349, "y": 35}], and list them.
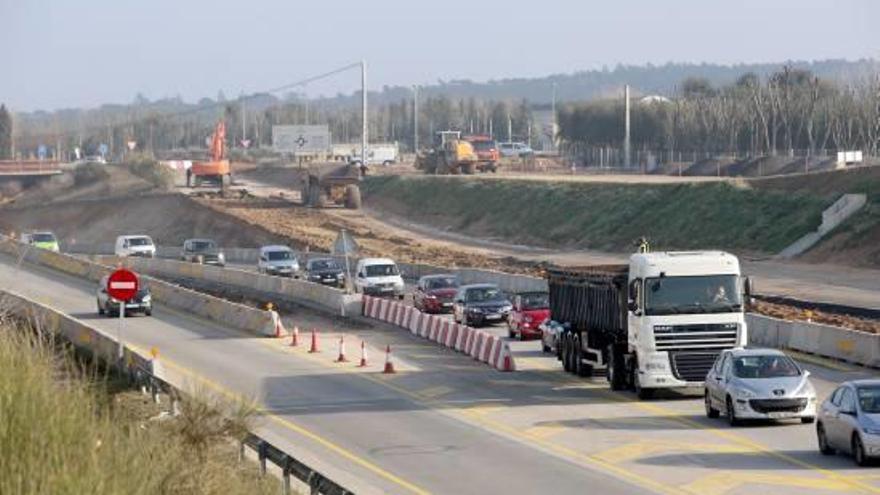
[
  {"x": 415, "y": 119},
  {"x": 12, "y": 133},
  {"x": 553, "y": 111},
  {"x": 364, "y": 113},
  {"x": 509, "y": 129},
  {"x": 626, "y": 143},
  {"x": 243, "y": 122}
]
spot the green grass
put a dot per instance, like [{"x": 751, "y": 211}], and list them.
[
  {"x": 66, "y": 428},
  {"x": 605, "y": 216}
]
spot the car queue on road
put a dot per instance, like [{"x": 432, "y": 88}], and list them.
[{"x": 743, "y": 384}]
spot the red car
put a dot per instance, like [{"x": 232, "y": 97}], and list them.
[
  {"x": 434, "y": 293},
  {"x": 530, "y": 309}
]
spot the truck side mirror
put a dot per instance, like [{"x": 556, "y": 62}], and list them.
[
  {"x": 632, "y": 306},
  {"x": 747, "y": 286}
]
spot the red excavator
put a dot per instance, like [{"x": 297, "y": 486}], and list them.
[{"x": 216, "y": 170}]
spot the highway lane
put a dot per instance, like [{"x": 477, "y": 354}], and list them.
[{"x": 449, "y": 425}]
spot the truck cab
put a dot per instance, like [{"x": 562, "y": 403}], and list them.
[
  {"x": 657, "y": 322},
  {"x": 683, "y": 309}
]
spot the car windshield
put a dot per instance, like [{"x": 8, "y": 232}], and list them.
[
  {"x": 43, "y": 238},
  {"x": 202, "y": 245},
  {"x": 700, "y": 294},
  {"x": 483, "y": 145},
  {"x": 484, "y": 294},
  {"x": 768, "y": 366},
  {"x": 323, "y": 265},
  {"x": 140, "y": 241},
  {"x": 538, "y": 300},
  {"x": 869, "y": 399},
  {"x": 441, "y": 283},
  {"x": 381, "y": 270},
  {"x": 279, "y": 255}
]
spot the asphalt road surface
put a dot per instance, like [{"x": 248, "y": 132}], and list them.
[{"x": 445, "y": 424}]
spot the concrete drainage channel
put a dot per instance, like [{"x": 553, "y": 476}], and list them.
[{"x": 146, "y": 371}]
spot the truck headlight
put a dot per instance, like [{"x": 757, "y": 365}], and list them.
[{"x": 221, "y": 258}]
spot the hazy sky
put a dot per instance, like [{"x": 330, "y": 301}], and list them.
[{"x": 68, "y": 53}]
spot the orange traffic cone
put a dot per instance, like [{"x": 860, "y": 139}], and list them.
[
  {"x": 342, "y": 358},
  {"x": 363, "y": 355},
  {"x": 294, "y": 336},
  {"x": 389, "y": 365},
  {"x": 314, "y": 342}
]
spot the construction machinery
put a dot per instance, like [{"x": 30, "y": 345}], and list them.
[
  {"x": 326, "y": 184},
  {"x": 450, "y": 155},
  {"x": 217, "y": 169}
]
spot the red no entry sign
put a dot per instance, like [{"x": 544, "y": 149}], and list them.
[{"x": 122, "y": 285}]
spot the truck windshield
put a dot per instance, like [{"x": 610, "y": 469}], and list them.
[
  {"x": 699, "y": 294},
  {"x": 483, "y": 145}
]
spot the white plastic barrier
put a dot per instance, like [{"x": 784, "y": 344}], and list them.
[
  {"x": 822, "y": 340},
  {"x": 479, "y": 344},
  {"x": 210, "y": 307}
]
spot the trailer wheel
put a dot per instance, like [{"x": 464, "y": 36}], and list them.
[
  {"x": 566, "y": 356},
  {"x": 353, "y": 197}
]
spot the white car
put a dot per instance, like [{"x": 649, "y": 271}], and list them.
[
  {"x": 378, "y": 277},
  {"x": 759, "y": 384},
  {"x": 515, "y": 149},
  {"x": 849, "y": 421},
  {"x": 278, "y": 260},
  {"x": 135, "y": 245}
]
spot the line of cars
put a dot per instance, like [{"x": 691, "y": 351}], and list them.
[{"x": 742, "y": 383}]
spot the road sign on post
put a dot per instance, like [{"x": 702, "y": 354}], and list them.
[{"x": 122, "y": 285}]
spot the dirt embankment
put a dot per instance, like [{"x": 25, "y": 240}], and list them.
[{"x": 168, "y": 218}]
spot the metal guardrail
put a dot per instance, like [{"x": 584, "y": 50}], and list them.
[{"x": 318, "y": 483}]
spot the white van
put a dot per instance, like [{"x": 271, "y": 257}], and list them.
[
  {"x": 378, "y": 277},
  {"x": 135, "y": 245},
  {"x": 379, "y": 154}
]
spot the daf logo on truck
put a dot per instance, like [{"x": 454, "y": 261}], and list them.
[{"x": 658, "y": 322}]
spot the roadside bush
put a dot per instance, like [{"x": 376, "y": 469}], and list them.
[
  {"x": 159, "y": 176},
  {"x": 90, "y": 173},
  {"x": 69, "y": 428}
]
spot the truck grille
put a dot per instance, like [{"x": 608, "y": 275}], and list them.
[
  {"x": 692, "y": 366},
  {"x": 707, "y": 336},
  {"x": 778, "y": 405}
]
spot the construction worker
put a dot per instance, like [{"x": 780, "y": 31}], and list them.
[{"x": 188, "y": 176}]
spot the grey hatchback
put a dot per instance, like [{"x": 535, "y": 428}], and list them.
[{"x": 849, "y": 421}]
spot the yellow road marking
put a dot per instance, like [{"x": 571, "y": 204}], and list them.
[
  {"x": 545, "y": 430},
  {"x": 637, "y": 450},
  {"x": 434, "y": 392},
  {"x": 722, "y": 482},
  {"x": 298, "y": 429},
  {"x": 671, "y": 415}
]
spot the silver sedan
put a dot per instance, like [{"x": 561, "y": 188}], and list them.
[
  {"x": 849, "y": 421},
  {"x": 759, "y": 384}
]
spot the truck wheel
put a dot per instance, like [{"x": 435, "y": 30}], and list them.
[
  {"x": 198, "y": 181},
  {"x": 352, "y": 197},
  {"x": 577, "y": 366},
  {"x": 616, "y": 370},
  {"x": 469, "y": 168},
  {"x": 225, "y": 181}
]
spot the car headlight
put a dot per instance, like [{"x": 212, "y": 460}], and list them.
[
  {"x": 340, "y": 276},
  {"x": 147, "y": 298},
  {"x": 873, "y": 430},
  {"x": 475, "y": 310},
  {"x": 506, "y": 309},
  {"x": 743, "y": 393},
  {"x": 807, "y": 389}
]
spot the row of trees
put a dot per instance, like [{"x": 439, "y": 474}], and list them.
[{"x": 789, "y": 109}]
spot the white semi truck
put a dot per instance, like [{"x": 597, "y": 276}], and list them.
[{"x": 658, "y": 322}]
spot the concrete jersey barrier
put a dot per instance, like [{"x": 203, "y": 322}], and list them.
[
  {"x": 822, "y": 340},
  {"x": 316, "y": 296},
  {"x": 212, "y": 308}
]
